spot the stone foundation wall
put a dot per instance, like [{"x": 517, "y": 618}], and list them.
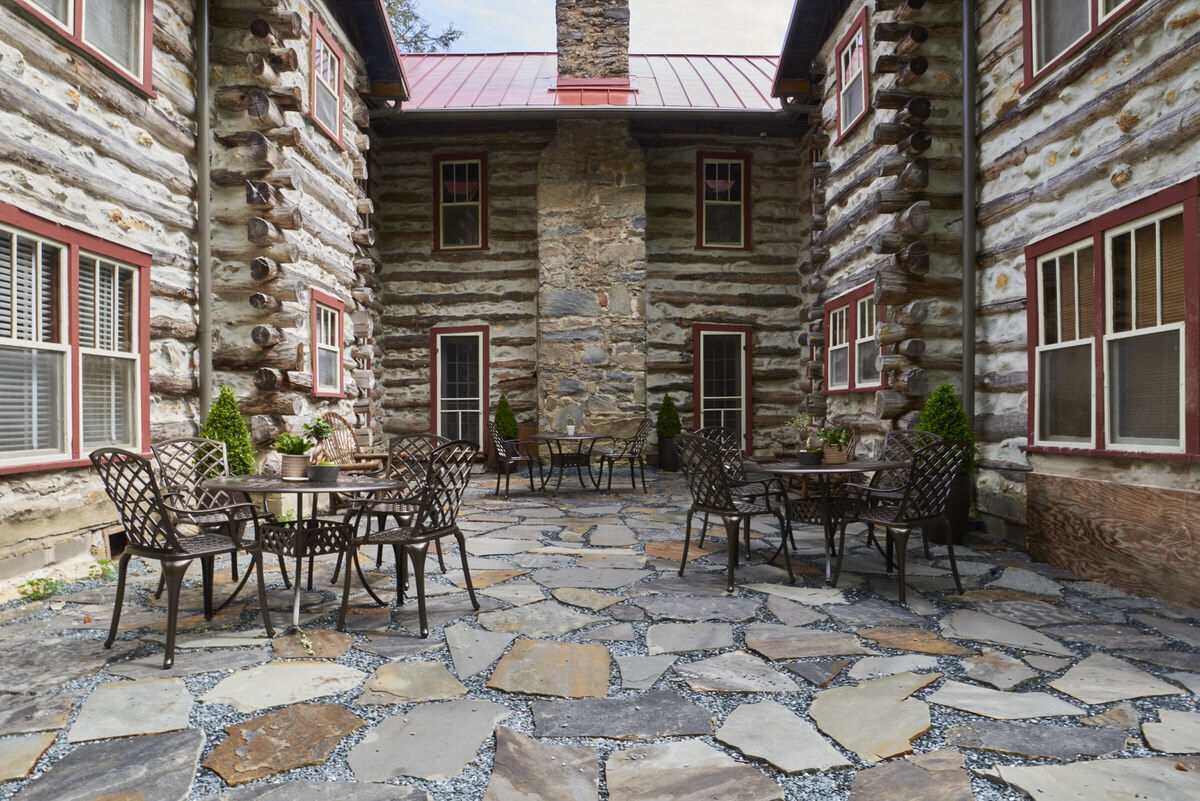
[{"x": 593, "y": 38}]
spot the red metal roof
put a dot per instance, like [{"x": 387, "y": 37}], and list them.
[{"x": 527, "y": 81}]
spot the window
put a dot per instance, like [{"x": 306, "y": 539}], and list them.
[
  {"x": 850, "y": 347},
  {"x": 1126, "y": 286},
  {"x": 1056, "y": 28},
  {"x": 722, "y": 200},
  {"x": 325, "y": 105},
  {"x": 721, "y": 378},
  {"x": 67, "y": 389},
  {"x": 460, "y": 382},
  {"x": 852, "y": 75},
  {"x": 460, "y": 202},
  {"x": 115, "y": 30},
  {"x": 327, "y": 341}
]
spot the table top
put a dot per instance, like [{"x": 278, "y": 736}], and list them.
[
  {"x": 565, "y": 437},
  {"x": 274, "y": 483},
  {"x": 795, "y": 469}
]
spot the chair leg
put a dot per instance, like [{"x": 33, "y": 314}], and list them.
[
  {"x": 173, "y": 571},
  {"x": 341, "y": 626},
  {"x": 746, "y": 525},
  {"x": 257, "y": 564},
  {"x": 703, "y": 529},
  {"x": 785, "y": 531},
  {"x": 462, "y": 552},
  {"x": 642, "y": 469},
  {"x": 499, "y": 470},
  {"x": 122, "y": 565},
  {"x": 953, "y": 562},
  {"x": 401, "y": 572},
  {"x": 731, "y": 541},
  {"x": 437, "y": 544},
  {"x": 206, "y": 584},
  {"x": 901, "y": 535},
  {"x": 417, "y": 554},
  {"x": 841, "y": 549},
  {"x": 687, "y": 540}
]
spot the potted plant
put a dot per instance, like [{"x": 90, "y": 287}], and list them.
[
  {"x": 318, "y": 428},
  {"x": 835, "y": 441},
  {"x": 224, "y": 422},
  {"x": 945, "y": 416},
  {"x": 322, "y": 472},
  {"x": 809, "y": 448},
  {"x": 505, "y": 421},
  {"x": 667, "y": 426},
  {"x": 570, "y": 426},
  {"x": 293, "y": 452}
]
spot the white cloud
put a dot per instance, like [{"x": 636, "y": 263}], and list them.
[{"x": 656, "y": 26}]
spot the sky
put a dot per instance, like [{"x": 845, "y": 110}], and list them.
[{"x": 726, "y": 27}]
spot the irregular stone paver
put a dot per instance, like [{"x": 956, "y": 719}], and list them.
[
  {"x": 527, "y": 770},
  {"x": 45, "y": 665},
  {"x": 1107, "y": 636},
  {"x": 1175, "y": 733},
  {"x": 314, "y": 643},
  {"x": 23, "y": 714},
  {"x": 871, "y": 666},
  {"x": 1178, "y": 660},
  {"x": 20, "y": 754},
  {"x": 293, "y": 737},
  {"x": 611, "y": 536},
  {"x": 1101, "y": 678},
  {"x": 967, "y": 624},
  {"x": 585, "y": 599},
  {"x": 482, "y": 579},
  {"x": 684, "y": 771},
  {"x": 486, "y": 546},
  {"x": 126, "y": 708},
  {"x": 1148, "y": 778},
  {"x": 541, "y": 667},
  {"x": 545, "y": 619},
  {"x": 617, "y": 632},
  {"x": 641, "y": 672},
  {"x": 794, "y": 746},
  {"x": 439, "y": 740},
  {"x": 280, "y": 683},
  {"x": 1033, "y": 613},
  {"x": 791, "y": 613},
  {"x": 1015, "y": 578},
  {"x": 589, "y": 578},
  {"x": 932, "y": 776},
  {"x": 912, "y": 639},
  {"x": 473, "y": 649},
  {"x": 673, "y": 551},
  {"x": 517, "y": 593},
  {"x": 1037, "y": 740},
  {"x": 696, "y": 581},
  {"x": 1176, "y": 630},
  {"x": 813, "y": 596},
  {"x": 1049, "y": 664},
  {"x": 393, "y": 645},
  {"x": 659, "y": 713},
  {"x": 441, "y": 611},
  {"x": 785, "y": 642},
  {"x": 322, "y": 791},
  {"x": 682, "y": 607},
  {"x": 998, "y": 669},
  {"x": 150, "y": 667},
  {"x": 872, "y": 612},
  {"x": 735, "y": 672},
  {"x": 818, "y": 673},
  {"x": 1001, "y": 705},
  {"x": 1189, "y": 680},
  {"x": 122, "y": 769},
  {"x": 674, "y": 638},
  {"x": 897, "y": 719},
  {"x": 410, "y": 682}
]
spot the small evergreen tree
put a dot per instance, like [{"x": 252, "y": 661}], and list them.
[
  {"x": 944, "y": 415},
  {"x": 667, "y": 425},
  {"x": 225, "y": 422},
  {"x": 505, "y": 420}
]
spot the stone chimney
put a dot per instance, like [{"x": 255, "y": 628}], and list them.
[{"x": 593, "y": 38}]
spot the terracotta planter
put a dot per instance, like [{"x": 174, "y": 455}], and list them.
[{"x": 293, "y": 466}]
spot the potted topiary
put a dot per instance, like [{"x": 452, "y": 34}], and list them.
[
  {"x": 293, "y": 452},
  {"x": 809, "y": 448},
  {"x": 224, "y": 422},
  {"x": 945, "y": 416},
  {"x": 667, "y": 426},
  {"x": 506, "y": 425}
]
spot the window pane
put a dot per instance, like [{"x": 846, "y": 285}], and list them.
[
  {"x": 868, "y": 373},
  {"x": 1065, "y": 390},
  {"x": 109, "y": 392},
  {"x": 1085, "y": 267},
  {"x": 1171, "y": 234},
  {"x": 460, "y": 386},
  {"x": 1144, "y": 389},
  {"x": 31, "y": 401},
  {"x": 1121, "y": 268},
  {"x": 1050, "y": 301},
  {"x": 114, "y": 27},
  {"x": 723, "y": 181},
  {"x": 1146, "y": 276},
  {"x": 328, "y": 369},
  {"x": 852, "y": 101},
  {"x": 839, "y": 367},
  {"x": 723, "y": 224},
  {"x": 1058, "y": 25},
  {"x": 325, "y": 107},
  {"x": 460, "y": 226},
  {"x": 55, "y": 8}
]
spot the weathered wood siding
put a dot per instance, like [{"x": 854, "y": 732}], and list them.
[{"x": 1115, "y": 123}]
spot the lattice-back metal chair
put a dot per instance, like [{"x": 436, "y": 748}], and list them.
[
  {"x": 764, "y": 488},
  {"x": 898, "y": 446},
  {"x": 510, "y": 457},
  {"x": 713, "y": 493},
  {"x": 447, "y": 476},
  {"x": 343, "y": 449},
  {"x": 922, "y": 503},
  {"x": 152, "y": 533},
  {"x": 627, "y": 448}
]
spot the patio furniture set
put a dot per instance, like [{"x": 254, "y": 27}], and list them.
[{"x": 569, "y": 450}]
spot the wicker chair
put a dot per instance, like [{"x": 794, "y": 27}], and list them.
[
  {"x": 713, "y": 493},
  {"x": 342, "y": 448},
  {"x": 922, "y": 503},
  {"x": 152, "y": 533},
  {"x": 627, "y": 448},
  {"x": 437, "y": 504},
  {"x": 510, "y": 457}
]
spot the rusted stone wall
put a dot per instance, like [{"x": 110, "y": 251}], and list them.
[{"x": 593, "y": 38}]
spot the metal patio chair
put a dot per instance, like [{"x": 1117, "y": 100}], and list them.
[
  {"x": 509, "y": 457},
  {"x": 766, "y": 489},
  {"x": 627, "y": 448}
]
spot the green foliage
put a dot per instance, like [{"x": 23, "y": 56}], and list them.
[
  {"x": 319, "y": 428},
  {"x": 103, "y": 570},
  {"x": 225, "y": 423},
  {"x": 806, "y": 425},
  {"x": 505, "y": 420},
  {"x": 412, "y": 32},
  {"x": 945, "y": 416},
  {"x": 667, "y": 424},
  {"x": 834, "y": 436},
  {"x": 292, "y": 444},
  {"x": 39, "y": 589}
]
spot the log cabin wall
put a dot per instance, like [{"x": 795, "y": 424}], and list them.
[
  {"x": 886, "y": 212},
  {"x": 1113, "y": 125}
]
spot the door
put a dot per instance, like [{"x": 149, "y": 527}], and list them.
[
  {"x": 722, "y": 379},
  {"x": 460, "y": 381}
]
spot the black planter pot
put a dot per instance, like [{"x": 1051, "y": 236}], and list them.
[{"x": 668, "y": 457}]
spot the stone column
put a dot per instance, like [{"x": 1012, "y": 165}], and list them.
[{"x": 592, "y": 277}]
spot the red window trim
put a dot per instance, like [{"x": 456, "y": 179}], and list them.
[
  {"x": 320, "y": 298},
  {"x": 744, "y": 158},
  {"x": 747, "y": 374},
  {"x": 319, "y": 30},
  {"x": 849, "y": 300},
  {"x": 860, "y": 23},
  {"x": 485, "y": 367},
  {"x": 1096, "y": 27},
  {"x": 74, "y": 35},
  {"x": 76, "y": 241},
  {"x": 1186, "y": 193},
  {"x": 438, "y": 160}
]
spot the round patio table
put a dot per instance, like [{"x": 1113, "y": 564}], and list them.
[{"x": 563, "y": 455}]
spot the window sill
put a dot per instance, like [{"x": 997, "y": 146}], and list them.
[{"x": 1157, "y": 456}]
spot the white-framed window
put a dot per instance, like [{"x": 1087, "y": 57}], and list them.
[
  {"x": 67, "y": 389},
  {"x": 722, "y": 379},
  {"x": 837, "y": 342},
  {"x": 327, "y": 344},
  {"x": 1055, "y": 28},
  {"x": 460, "y": 378},
  {"x": 119, "y": 31},
  {"x": 866, "y": 372},
  {"x": 1114, "y": 304},
  {"x": 850, "y": 346},
  {"x": 460, "y": 218},
  {"x": 326, "y": 85},
  {"x": 852, "y": 88},
  {"x": 723, "y": 203}
]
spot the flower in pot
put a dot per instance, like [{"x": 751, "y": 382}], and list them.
[
  {"x": 293, "y": 451},
  {"x": 570, "y": 426},
  {"x": 809, "y": 447},
  {"x": 835, "y": 440}
]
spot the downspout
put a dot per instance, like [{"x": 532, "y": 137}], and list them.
[
  {"x": 203, "y": 213},
  {"x": 970, "y": 161}
]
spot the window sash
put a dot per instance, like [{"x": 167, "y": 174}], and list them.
[
  {"x": 723, "y": 185},
  {"x": 838, "y": 348},
  {"x": 460, "y": 386},
  {"x": 1144, "y": 390},
  {"x": 1065, "y": 394},
  {"x": 460, "y": 198},
  {"x": 866, "y": 349},
  {"x": 326, "y": 84},
  {"x": 852, "y": 77},
  {"x": 327, "y": 342},
  {"x": 114, "y": 28},
  {"x": 722, "y": 381}
]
